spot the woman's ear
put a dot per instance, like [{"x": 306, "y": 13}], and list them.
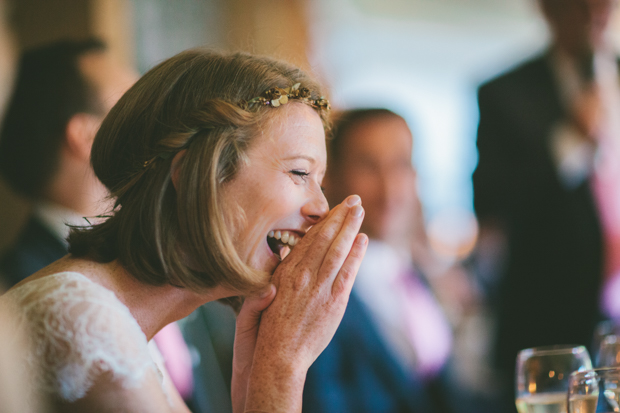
[{"x": 175, "y": 169}]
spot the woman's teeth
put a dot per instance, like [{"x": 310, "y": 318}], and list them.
[{"x": 285, "y": 237}]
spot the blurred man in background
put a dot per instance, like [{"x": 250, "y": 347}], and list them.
[
  {"x": 394, "y": 341},
  {"x": 62, "y": 93},
  {"x": 546, "y": 186}
]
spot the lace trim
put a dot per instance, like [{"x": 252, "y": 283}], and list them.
[{"x": 80, "y": 330}]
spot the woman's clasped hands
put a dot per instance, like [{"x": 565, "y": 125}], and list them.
[{"x": 282, "y": 332}]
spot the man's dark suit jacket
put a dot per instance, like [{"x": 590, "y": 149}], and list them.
[
  {"x": 356, "y": 374},
  {"x": 35, "y": 248},
  {"x": 549, "y": 287}
]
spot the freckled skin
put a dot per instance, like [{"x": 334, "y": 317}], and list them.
[{"x": 313, "y": 286}]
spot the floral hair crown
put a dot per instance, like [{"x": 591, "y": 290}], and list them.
[
  {"x": 277, "y": 96},
  {"x": 274, "y": 97}
]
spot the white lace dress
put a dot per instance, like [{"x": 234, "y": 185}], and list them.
[{"x": 80, "y": 330}]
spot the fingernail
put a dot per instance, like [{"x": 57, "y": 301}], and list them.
[
  {"x": 357, "y": 211},
  {"x": 353, "y": 200},
  {"x": 362, "y": 239}
]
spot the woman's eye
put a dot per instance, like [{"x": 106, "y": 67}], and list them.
[{"x": 300, "y": 174}]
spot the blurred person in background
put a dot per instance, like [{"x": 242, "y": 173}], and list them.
[
  {"x": 394, "y": 341},
  {"x": 15, "y": 392},
  {"x": 63, "y": 91},
  {"x": 546, "y": 188}
]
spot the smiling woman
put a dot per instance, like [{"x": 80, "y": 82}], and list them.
[
  {"x": 199, "y": 124},
  {"x": 279, "y": 187},
  {"x": 215, "y": 163}
]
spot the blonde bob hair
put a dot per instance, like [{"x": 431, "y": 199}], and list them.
[{"x": 192, "y": 101}]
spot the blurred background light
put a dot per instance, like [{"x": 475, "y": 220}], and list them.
[{"x": 421, "y": 58}]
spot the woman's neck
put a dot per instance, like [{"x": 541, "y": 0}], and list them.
[{"x": 154, "y": 307}]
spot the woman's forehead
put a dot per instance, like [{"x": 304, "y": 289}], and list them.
[{"x": 296, "y": 129}]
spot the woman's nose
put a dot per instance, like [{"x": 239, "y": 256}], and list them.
[{"x": 316, "y": 208}]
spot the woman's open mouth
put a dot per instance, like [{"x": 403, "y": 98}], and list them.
[{"x": 281, "y": 242}]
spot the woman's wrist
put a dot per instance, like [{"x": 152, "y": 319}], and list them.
[{"x": 275, "y": 386}]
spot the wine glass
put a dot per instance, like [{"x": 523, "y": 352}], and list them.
[
  {"x": 603, "y": 329},
  {"x": 593, "y": 391},
  {"x": 609, "y": 352},
  {"x": 542, "y": 377}
]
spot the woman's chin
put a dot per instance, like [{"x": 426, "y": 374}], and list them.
[
  {"x": 272, "y": 264},
  {"x": 267, "y": 263}
]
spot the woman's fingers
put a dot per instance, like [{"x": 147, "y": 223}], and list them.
[
  {"x": 247, "y": 326},
  {"x": 346, "y": 276},
  {"x": 341, "y": 246},
  {"x": 302, "y": 247},
  {"x": 316, "y": 243},
  {"x": 249, "y": 316},
  {"x": 248, "y": 322}
]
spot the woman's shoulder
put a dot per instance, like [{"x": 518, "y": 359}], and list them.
[
  {"x": 79, "y": 331},
  {"x": 64, "y": 286},
  {"x": 70, "y": 296}
]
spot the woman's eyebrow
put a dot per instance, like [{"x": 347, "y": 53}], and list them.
[{"x": 306, "y": 157}]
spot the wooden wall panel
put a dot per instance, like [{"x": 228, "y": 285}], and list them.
[{"x": 277, "y": 28}]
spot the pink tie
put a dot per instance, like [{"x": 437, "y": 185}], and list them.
[
  {"x": 177, "y": 358},
  {"x": 427, "y": 327}
]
